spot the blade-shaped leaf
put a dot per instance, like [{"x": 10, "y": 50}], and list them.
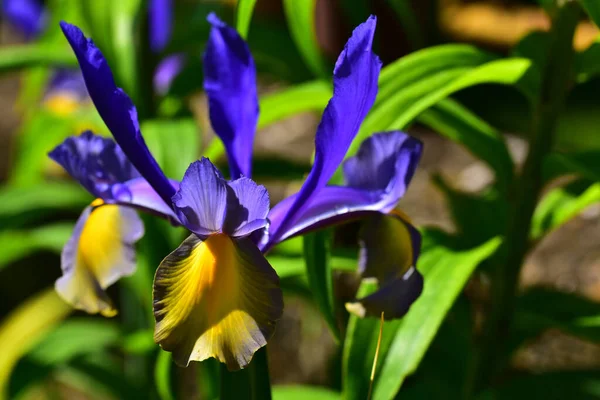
[
  {"x": 592, "y": 8},
  {"x": 284, "y": 392},
  {"x": 446, "y": 270},
  {"x": 317, "y": 248},
  {"x": 29, "y": 55},
  {"x": 300, "y": 17},
  {"x": 243, "y": 16}
]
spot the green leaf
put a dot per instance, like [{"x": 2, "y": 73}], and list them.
[
  {"x": 317, "y": 248},
  {"x": 25, "y": 326},
  {"x": 446, "y": 269},
  {"x": 584, "y": 164},
  {"x": 175, "y": 144},
  {"x": 409, "y": 21},
  {"x": 251, "y": 383},
  {"x": 243, "y": 16},
  {"x": 74, "y": 338},
  {"x": 592, "y": 8},
  {"x": 540, "y": 309},
  {"x": 418, "y": 81},
  {"x": 31, "y": 55},
  {"x": 18, "y": 244},
  {"x": 561, "y": 204},
  {"x": 23, "y": 204},
  {"x": 460, "y": 125},
  {"x": 162, "y": 375},
  {"x": 300, "y": 17},
  {"x": 293, "y": 392},
  {"x": 580, "y": 385}
]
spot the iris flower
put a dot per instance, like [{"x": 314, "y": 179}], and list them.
[{"x": 216, "y": 294}]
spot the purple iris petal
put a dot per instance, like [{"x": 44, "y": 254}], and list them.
[
  {"x": 355, "y": 88},
  {"x": 248, "y": 207},
  {"x": 377, "y": 178},
  {"x": 166, "y": 71},
  {"x": 230, "y": 84},
  {"x": 139, "y": 194},
  {"x": 116, "y": 109},
  {"x": 201, "y": 201},
  {"x": 205, "y": 203},
  {"x": 160, "y": 15},
  {"x": 29, "y": 16},
  {"x": 96, "y": 162}
]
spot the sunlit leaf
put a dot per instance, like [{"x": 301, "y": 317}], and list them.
[
  {"x": 300, "y": 17},
  {"x": 25, "y": 326},
  {"x": 16, "y": 244},
  {"x": 317, "y": 248},
  {"x": 291, "y": 392},
  {"x": 162, "y": 375},
  {"x": 561, "y": 204},
  {"x": 446, "y": 270},
  {"x": 174, "y": 143},
  {"x": 462, "y": 126},
  {"x": 29, "y": 55},
  {"x": 243, "y": 16}
]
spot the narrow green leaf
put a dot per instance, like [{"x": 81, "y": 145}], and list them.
[
  {"x": 243, "y": 16},
  {"x": 18, "y": 244},
  {"x": 31, "y": 202},
  {"x": 457, "y": 123},
  {"x": 409, "y": 22},
  {"x": 293, "y": 392},
  {"x": 446, "y": 269},
  {"x": 584, "y": 164},
  {"x": 175, "y": 144},
  {"x": 317, "y": 248},
  {"x": 31, "y": 55},
  {"x": 162, "y": 375},
  {"x": 300, "y": 17},
  {"x": 561, "y": 204},
  {"x": 592, "y": 8},
  {"x": 25, "y": 326}
]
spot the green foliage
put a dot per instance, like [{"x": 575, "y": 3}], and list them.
[{"x": 244, "y": 11}]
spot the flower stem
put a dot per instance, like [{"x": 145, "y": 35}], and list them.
[
  {"x": 556, "y": 77},
  {"x": 251, "y": 383}
]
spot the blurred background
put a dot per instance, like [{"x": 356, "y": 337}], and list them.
[{"x": 49, "y": 351}]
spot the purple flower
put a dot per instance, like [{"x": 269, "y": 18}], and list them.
[
  {"x": 29, "y": 16},
  {"x": 216, "y": 295}
]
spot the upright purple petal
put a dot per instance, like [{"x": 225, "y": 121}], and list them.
[
  {"x": 201, "y": 200},
  {"x": 247, "y": 209},
  {"x": 29, "y": 16},
  {"x": 355, "y": 88},
  {"x": 160, "y": 16},
  {"x": 95, "y": 161},
  {"x": 116, "y": 109},
  {"x": 377, "y": 178},
  {"x": 230, "y": 84}
]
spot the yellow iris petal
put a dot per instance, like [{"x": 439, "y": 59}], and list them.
[
  {"x": 99, "y": 253},
  {"x": 215, "y": 298}
]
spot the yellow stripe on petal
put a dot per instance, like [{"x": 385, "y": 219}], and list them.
[
  {"x": 215, "y": 298},
  {"x": 99, "y": 252}
]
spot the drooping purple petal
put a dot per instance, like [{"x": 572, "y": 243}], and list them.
[
  {"x": 116, "y": 109},
  {"x": 160, "y": 21},
  {"x": 355, "y": 88},
  {"x": 29, "y": 16},
  {"x": 201, "y": 201},
  {"x": 230, "y": 84},
  {"x": 96, "y": 162},
  {"x": 137, "y": 193},
  {"x": 166, "y": 71},
  {"x": 377, "y": 177},
  {"x": 247, "y": 209}
]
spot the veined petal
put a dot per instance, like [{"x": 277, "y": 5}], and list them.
[
  {"x": 390, "y": 247},
  {"x": 95, "y": 161},
  {"x": 215, "y": 298},
  {"x": 99, "y": 252},
  {"x": 355, "y": 88},
  {"x": 116, "y": 109},
  {"x": 160, "y": 15},
  {"x": 29, "y": 16},
  {"x": 138, "y": 193},
  {"x": 377, "y": 176},
  {"x": 201, "y": 200},
  {"x": 247, "y": 207},
  {"x": 230, "y": 84}
]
